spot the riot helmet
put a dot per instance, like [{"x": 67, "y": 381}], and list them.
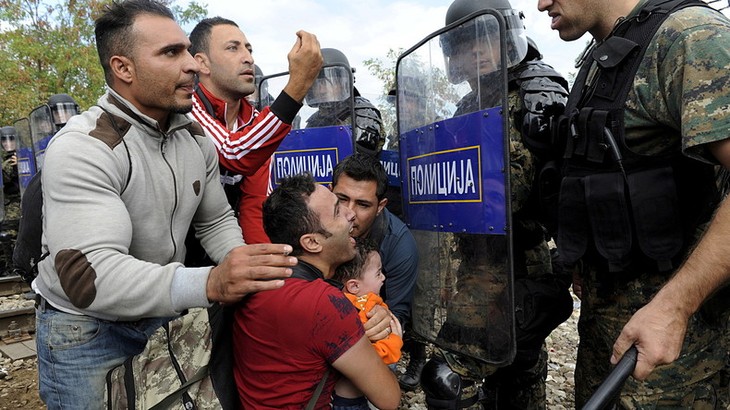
[
  {"x": 332, "y": 84},
  {"x": 8, "y": 138},
  {"x": 260, "y": 97},
  {"x": 461, "y": 45},
  {"x": 63, "y": 107}
]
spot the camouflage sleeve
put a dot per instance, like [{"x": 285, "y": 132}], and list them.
[
  {"x": 695, "y": 76},
  {"x": 522, "y": 162},
  {"x": 8, "y": 168}
]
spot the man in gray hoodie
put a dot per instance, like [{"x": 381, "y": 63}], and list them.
[{"x": 122, "y": 184}]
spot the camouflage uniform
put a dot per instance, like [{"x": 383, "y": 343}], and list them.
[
  {"x": 682, "y": 82},
  {"x": 12, "y": 214},
  {"x": 520, "y": 385},
  {"x": 173, "y": 354}
]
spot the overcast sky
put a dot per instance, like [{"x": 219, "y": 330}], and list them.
[{"x": 367, "y": 29}]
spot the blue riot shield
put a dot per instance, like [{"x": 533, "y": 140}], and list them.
[
  {"x": 26, "y": 157},
  {"x": 321, "y": 133},
  {"x": 42, "y": 130},
  {"x": 454, "y": 157}
]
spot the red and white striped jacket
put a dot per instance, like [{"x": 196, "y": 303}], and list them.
[{"x": 245, "y": 153}]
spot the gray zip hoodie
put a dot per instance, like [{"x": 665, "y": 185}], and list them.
[{"x": 118, "y": 198}]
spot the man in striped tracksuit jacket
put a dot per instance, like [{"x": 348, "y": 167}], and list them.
[{"x": 246, "y": 138}]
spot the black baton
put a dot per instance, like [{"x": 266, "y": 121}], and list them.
[{"x": 614, "y": 382}]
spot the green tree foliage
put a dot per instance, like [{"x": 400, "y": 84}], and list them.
[
  {"x": 437, "y": 90},
  {"x": 47, "y": 47},
  {"x": 384, "y": 70}
]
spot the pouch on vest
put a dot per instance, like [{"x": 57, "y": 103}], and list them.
[
  {"x": 609, "y": 218},
  {"x": 548, "y": 188},
  {"x": 655, "y": 205},
  {"x": 608, "y": 55},
  {"x": 573, "y": 217}
]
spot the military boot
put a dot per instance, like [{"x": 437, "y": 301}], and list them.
[{"x": 410, "y": 380}]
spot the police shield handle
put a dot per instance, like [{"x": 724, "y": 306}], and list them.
[
  {"x": 615, "y": 380},
  {"x": 305, "y": 61}
]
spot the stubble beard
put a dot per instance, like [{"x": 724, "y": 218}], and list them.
[{"x": 182, "y": 109}]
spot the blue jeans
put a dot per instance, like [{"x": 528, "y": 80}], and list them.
[
  {"x": 341, "y": 403},
  {"x": 76, "y": 352}
]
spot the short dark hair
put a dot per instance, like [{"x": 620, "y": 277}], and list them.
[
  {"x": 200, "y": 36},
  {"x": 113, "y": 28},
  {"x": 353, "y": 268},
  {"x": 286, "y": 214},
  {"x": 363, "y": 167}
]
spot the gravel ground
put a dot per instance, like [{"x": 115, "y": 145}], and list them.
[
  {"x": 562, "y": 345},
  {"x": 18, "y": 378},
  {"x": 19, "y": 385}
]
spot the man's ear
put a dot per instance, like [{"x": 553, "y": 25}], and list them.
[
  {"x": 310, "y": 243},
  {"x": 352, "y": 286},
  {"x": 123, "y": 68},
  {"x": 382, "y": 204},
  {"x": 204, "y": 62}
]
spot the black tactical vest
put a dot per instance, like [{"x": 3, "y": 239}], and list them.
[{"x": 617, "y": 208}]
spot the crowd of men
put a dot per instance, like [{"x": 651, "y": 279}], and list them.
[{"x": 160, "y": 200}]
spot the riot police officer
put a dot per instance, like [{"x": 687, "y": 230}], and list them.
[
  {"x": 332, "y": 93},
  {"x": 63, "y": 107},
  {"x": 640, "y": 143},
  {"x": 11, "y": 194},
  {"x": 47, "y": 119},
  {"x": 25, "y": 237},
  {"x": 536, "y": 93},
  {"x": 8, "y": 138}
]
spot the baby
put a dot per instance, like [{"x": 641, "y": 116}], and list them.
[{"x": 362, "y": 279}]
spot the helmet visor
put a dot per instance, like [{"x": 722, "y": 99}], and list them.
[
  {"x": 332, "y": 85},
  {"x": 474, "y": 47},
  {"x": 62, "y": 112},
  {"x": 7, "y": 138}
]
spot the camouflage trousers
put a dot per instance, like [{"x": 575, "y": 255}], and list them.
[
  {"x": 699, "y": 379},
  {"x": 461, "y": 301}
]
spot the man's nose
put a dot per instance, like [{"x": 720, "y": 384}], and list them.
[
  {"x": 542, "y": 5},
  {"x": 350, "y": 213},
  {"x": 192, "y": 64},
  {"x": 247, "y": 57}
]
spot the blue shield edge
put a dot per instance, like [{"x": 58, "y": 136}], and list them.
[
  {"x": 454, "y": 161},
  {"x": 42, "y": 130},
  {"x": 25, "y": 154}
]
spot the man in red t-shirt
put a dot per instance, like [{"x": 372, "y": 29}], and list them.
[{"x": 286, "y": 340}]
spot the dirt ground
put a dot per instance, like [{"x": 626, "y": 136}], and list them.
[{"x": 19, "y": 385}]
